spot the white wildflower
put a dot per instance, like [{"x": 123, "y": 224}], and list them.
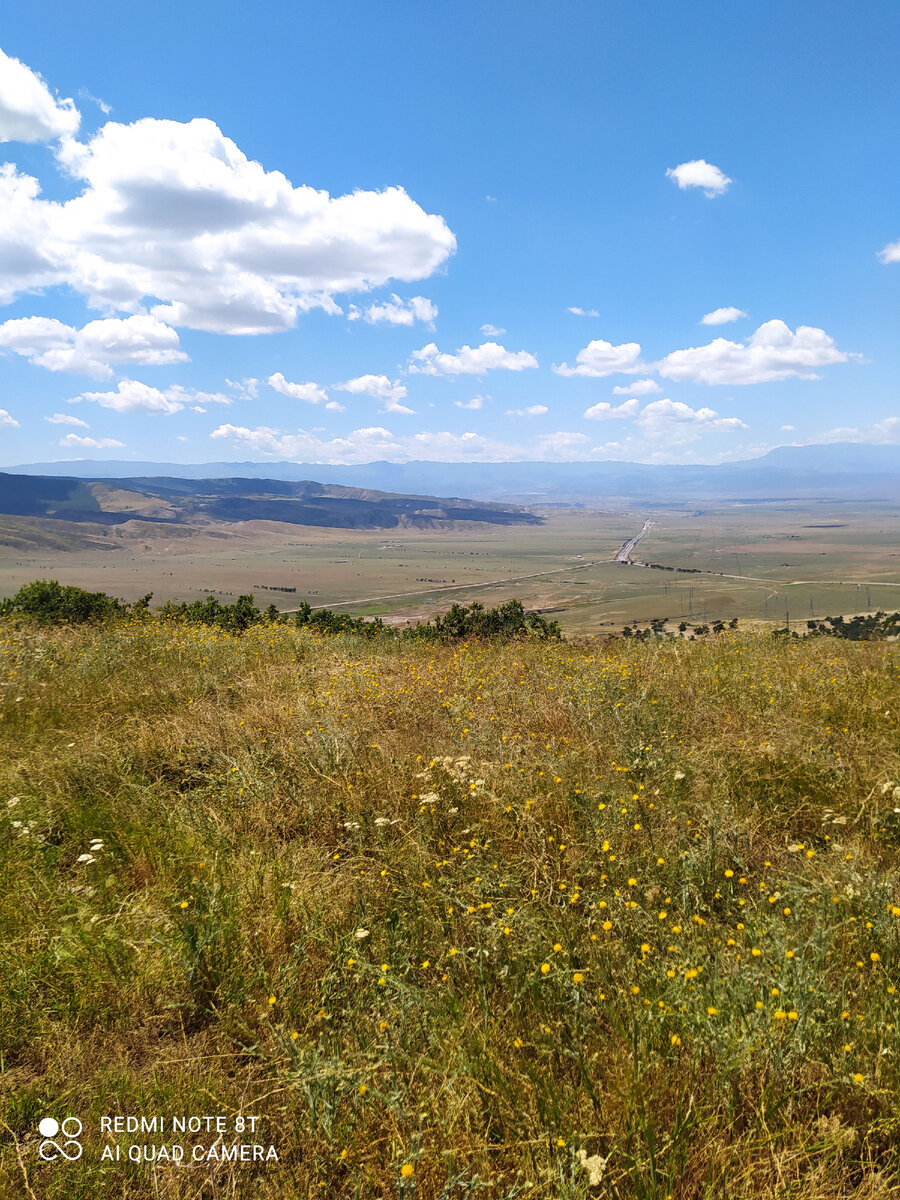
[
  {"x": 361, "y": 933},
  {"x": 595, "y": 1166},
  {"x": 85, "y": 858}
]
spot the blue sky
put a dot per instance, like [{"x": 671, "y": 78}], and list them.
[{"x": 498, "y": 231}]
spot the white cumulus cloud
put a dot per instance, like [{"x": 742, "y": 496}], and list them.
[
  {"x": 492, "y": 331},
  {"x": 722, "y": 316},
  {"x": 28, "y": 110},
  {"x": 472, "y": 405},
  {"x": 890, "y": 253},
  {"x": 469, "y": 360},
  {"x": 675, "y": 421},
  {"x": 699, "y": 173},
  {"x": 396, "y": 312},
  {"x": 600, "y": 358},
  {"x": 310, "y": 392},
  {"x": 131, "y": 396},
  {"x": 772, "y": 353},
  {"x": 7, "y": 421},
  {"x": 381, "y": 388},
  {"x": 175, "y": 213},
  {"x": 74, "y": 440},
  {"x": 46, "y": 342},
  {"x": 640, "y": 387},
  {"x": 609, "y": 412}
]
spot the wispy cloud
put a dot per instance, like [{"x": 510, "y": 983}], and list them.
[
  {"x": 73, "y": 440},
  {"x": 311, "y": 393},
  {"x": 65, "y": 419},
  {"x": 534, "y": 410},
  {"x": 396, "y": 312}
]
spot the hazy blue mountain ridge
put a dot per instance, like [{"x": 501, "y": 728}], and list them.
[{"x": 840, "y": 470}]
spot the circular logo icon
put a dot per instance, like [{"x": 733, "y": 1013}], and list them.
[{"x": 70, "y": 1128}]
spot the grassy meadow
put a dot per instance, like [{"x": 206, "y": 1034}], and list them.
[{"x": 572, "y": 919}]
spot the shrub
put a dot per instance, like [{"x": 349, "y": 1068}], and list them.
[
  {"x": 235, "y": 617},
  {"x": 50, "y": 603},
  {"x": 506, "y": 621}
]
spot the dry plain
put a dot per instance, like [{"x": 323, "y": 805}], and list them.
[{"x": 766, "y": 561}]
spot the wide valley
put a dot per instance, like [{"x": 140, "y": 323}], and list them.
[{"x": 772, "y": 562}]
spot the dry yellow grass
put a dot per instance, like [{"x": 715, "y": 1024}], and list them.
[{"x": 495, "y": 920}]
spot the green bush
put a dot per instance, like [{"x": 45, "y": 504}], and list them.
[
  {"x": 505, "y": 621},
  {"x": 49, "y": 602},
  {"x": 234, "y": 617},
  {"x": 873, "y": 627}
]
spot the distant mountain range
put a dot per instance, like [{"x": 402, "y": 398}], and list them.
[
  {"x": 842, "y": 471},
  {"x": 171, "y": 501}
]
